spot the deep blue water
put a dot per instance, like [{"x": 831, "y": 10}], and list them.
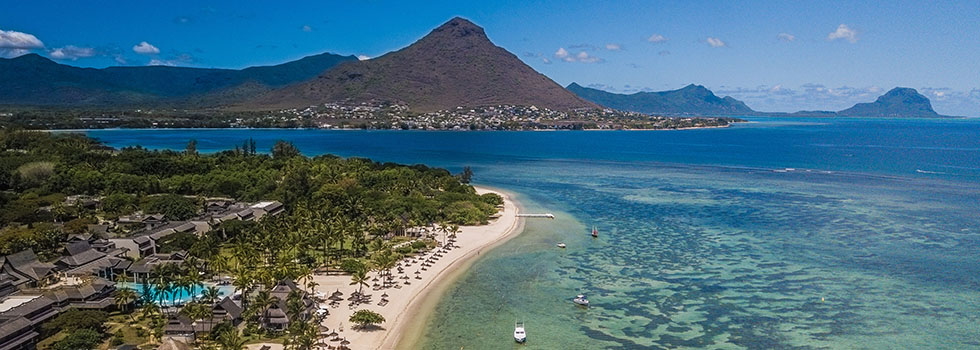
[{"x": 869, "y": 240}]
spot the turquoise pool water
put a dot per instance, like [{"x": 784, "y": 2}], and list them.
[{"x": 180, "y": 296}]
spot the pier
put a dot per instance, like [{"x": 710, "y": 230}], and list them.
[{"x": 543, "y": 216}]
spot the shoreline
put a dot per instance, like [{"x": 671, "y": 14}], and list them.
[
  {"x": 406, "y": 335},
  {"x": 411, "y": 306},
  {"x": 358, "y": 129}
]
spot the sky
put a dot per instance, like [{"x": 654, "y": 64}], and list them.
[{"x": 774, "y": 55}]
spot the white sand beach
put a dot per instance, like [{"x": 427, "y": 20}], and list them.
[{"x": 405, "y": 310}]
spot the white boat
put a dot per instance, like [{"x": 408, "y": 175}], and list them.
[
  {"x": 581, "y": 300},
  {"x": 519, "y": 335},
  {"x": 561, "y": 245}
]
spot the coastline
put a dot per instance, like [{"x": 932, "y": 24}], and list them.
[
  {"x": 411, "y": 306},
  {"x": 362, "y": 129}
]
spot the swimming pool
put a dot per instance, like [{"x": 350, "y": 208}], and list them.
[{"x": 182, "y": 296}]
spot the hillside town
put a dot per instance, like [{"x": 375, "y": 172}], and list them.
[{"x": 374, "y": 115}]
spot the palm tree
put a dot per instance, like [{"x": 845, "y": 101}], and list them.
[
  {"x": 124, "y": 298},
  {"x": 232, "y": 341},
  {"x": 263, "y": 301},
  {"x": 311, "y": 285},
  {"x": 360, "y": 279},
  {"x": 243, "y": 283},
  {"x": 211, "y": 294},
  {"x": 149, "y": 310}
]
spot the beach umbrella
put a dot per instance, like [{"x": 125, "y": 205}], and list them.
[
  {"x": 332, "y": 334},
  {"x": 417, "y": 272},
  {"x": 345, "y": 342},
  {"x": 338, "y": 292},
  {"x": 385, "y": 295}
]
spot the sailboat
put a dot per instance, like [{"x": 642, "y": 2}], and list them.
[{"x": 595, "y": 233}]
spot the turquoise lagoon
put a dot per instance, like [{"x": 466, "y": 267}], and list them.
[{"x": 775, "y": 234}]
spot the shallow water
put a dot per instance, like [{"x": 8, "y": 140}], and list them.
[{"x": 707, "y": 240}]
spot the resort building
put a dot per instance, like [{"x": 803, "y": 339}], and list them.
[
  {"x": 276, "y": 317},
  {"x": 25, "y": 271},
  {"x": 21, "y": 317}
]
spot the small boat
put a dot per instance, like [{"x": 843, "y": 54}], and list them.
[
  {"x": 595, "y": 232},
  {"x": 519, "y": 335},
  {"x": 561, "y": 245},
  {"x": 581, "y": 300}
]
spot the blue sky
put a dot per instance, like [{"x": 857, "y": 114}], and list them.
[{"x": 776, "y": 56}]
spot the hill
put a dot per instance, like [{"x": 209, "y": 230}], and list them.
[
  {"x": 898, "y": 102},
  {"x": 32, "y": 80},
  {"x": 454, "y": 65},
  {"x": 689, "y": 100}
]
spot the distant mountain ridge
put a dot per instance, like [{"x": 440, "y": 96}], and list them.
[
  {"x": 454, "y": 65},
  {"x": 689, "y": 100},
  {"x": 32, "y": 80},
  {"x": 897, "y": 102},
  {"x": 900, "y": 102}
]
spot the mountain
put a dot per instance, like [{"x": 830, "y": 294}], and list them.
[
  {"x": 897, "y": 102},
  {"x": 33, "y": 80},
  {"x": 691, "y": 99},
  {"x": 454, "y": 65}
]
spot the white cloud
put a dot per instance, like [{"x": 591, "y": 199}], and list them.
[
  {"x": 120, "y": 59},
  {"x": 561, "y": 53},
  {"x": 71, "y": 52},
  {"x": 145, "y": 48},
  {"x": 582, "y": 56},
  {"x": 613, "y": 47},
  {"x": 307, "y": 28},
  {"x": 545, "y": 60},
  {"x": 173, "y": 61},
  {"x": 656, "y": 38},
  {"x": 159, "y": 62},
  {"x": 843, "y": 32},
  {"x": 11, "y": 53},
  {"x": 786, "y": 37},
  {"x": 715, "y": 42},
  {"x": 10, "y": 39},
  {"x": 363, "y": 57}
]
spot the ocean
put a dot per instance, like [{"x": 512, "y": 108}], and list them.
[{"x": 781, "y": 233}]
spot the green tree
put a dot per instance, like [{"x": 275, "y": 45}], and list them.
[
  {"x": 360, "y": 279},
  {"x": 80, "y": 339},
  {"x": 174, "y": 207},
  {"x": 119, "y": 203},
  {"x": 191, "y": 148},
  {"x": 75, "y": 319},
  {"x": 466, "y": 175},
  {"x": 284, "y": 150},
  {"x": 365, "y": 318},
  {"x": 125, "y": 298}
]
